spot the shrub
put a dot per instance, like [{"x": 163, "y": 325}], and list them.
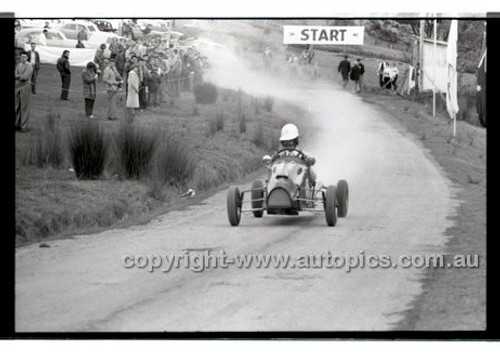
[
  {"x": 242, "y": 123},
  {"x": 48, "y": 147},
  {"x": 173, "y": 163},
  {"x": 267, "y": 103},
  {"x": 216, "y": 123},
  {"x": 88, "y": 147},
  {"x": 205, "y": 93},
  {"x": 135, "y": 149},
  {"x": 258, "y": 138},
  {"x": 256, "y": 104}
]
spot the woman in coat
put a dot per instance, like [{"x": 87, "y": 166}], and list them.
[
  {"x": 89, "y": 77},
  {"x": 133, "y": 91}
]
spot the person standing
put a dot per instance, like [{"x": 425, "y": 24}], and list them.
[
  {"x": 99, "y": 59},
  {"x": 354, "y": 75},
  {"x": 82, "y": 35},
  {"x": 361, "y": 73},
  {"x": 154, "y": 84},
  {"x": 133, "y": 92},
  {"x": 23, "y": 74},
  {"x": 344, "y": 69},
  {"x": 380, "y": 73},
  {"x": 144, "y": 76},
  {"x": 34, "y": 60},
  {"x": 89, "y": 77},
  {"x": 393, "y": 74},
  {"x": 64, "y": 69},
  {"x": 113, "y": 80}
]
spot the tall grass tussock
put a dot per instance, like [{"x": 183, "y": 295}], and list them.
[{"x": 88, "y": 148}]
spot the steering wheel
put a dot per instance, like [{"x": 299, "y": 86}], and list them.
[{"x": 293, "y": 149}]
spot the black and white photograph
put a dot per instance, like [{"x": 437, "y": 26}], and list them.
[{"x": 187, "y": 175}]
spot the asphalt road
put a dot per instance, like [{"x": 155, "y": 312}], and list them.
[{"x": 400, "y": 202}]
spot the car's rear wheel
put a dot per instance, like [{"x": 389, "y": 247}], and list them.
[
  {"x": 234, "y": 206},
  {"x": 330, "y": 205},
  {"x": 342, "y": 198},
  {"x": 257, "y": 193}
]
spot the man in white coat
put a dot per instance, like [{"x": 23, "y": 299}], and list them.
[{"x": 133, "y": 92}]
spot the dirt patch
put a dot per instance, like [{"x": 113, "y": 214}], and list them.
[{"x": 448, "y": 293}]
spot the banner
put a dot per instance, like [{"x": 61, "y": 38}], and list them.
[
  {"x": 323, "y": 35},
  {"x": 77, "y": 57},
  {"x": 451, "y": 59}
]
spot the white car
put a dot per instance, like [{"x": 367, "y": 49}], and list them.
[
  {"x": 54, "y": 38},
  {"x": 94, "y": 35}
]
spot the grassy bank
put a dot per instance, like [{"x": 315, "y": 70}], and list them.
[{"x": 206, "y": 145}]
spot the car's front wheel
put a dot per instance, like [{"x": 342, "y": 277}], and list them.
[
  {"x": 330, "y": 205},
  {"x": 234, "y": 206},
  {"x": 342, "y": 198}
]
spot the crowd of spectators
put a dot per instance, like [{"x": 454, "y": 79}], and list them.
[{"x": 147, "y": 73}]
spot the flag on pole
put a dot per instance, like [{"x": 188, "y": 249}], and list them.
[
  {"x": 481, "y": 90},
  {"x": 451, "y": 59}
]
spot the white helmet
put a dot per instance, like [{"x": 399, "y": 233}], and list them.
[{"x": 289, "y": 132}]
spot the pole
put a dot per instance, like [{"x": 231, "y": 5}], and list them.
[
  {"x": 454, "y": 125},
  {"x": 434, "y": 82},
  {"x": 421, "y": 55}
]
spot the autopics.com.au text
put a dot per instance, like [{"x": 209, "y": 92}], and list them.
[{"x": 199, "y": 261}]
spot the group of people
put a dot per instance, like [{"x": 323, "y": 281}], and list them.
[
  {"x": 148, "y": 73},
  {"x": 387, "y": 75},
  {"x": 354, "y": 72}
]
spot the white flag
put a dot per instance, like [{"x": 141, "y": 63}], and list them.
[{"x": 451, "y": 59}]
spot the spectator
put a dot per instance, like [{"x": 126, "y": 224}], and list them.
[
  {"x": 82, "y": 35},
  {"x": 354, "y": 75},
  {"x": 64, "y": 69},
  {"x": 23, "y": 74},
  {"x": 380, "y": 73},
  {"x": 89, "y": 77},
  {"x": 34, "y": 60},
  {"x": 154, "y": 87},
  {"x": 133, "y": 92},
  {"x": 361, "y": 73},
  {"x": 393, "y": 75},
  {"x": 47, "y": 25},
  {"x": 113, "y": 80},
  {"x": 99, "y": 60},
  {"x": 310, "y": 54},
  {"x": 344, "y": 68},
  {"x": 386, "y": 78},
  {"x": 144, "y": 76}
]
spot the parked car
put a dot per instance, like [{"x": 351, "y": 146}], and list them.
[
  {"x": 95, "y": 36},
  {"x": 104, "y": 26},
  {"x": 54, "y": 38},
  {"x": 71, "y": 29}
]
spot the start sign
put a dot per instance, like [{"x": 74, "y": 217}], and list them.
[{"x": 323, "y": 35}]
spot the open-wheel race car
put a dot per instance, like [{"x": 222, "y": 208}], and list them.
[{"x": 288, "y": 190}]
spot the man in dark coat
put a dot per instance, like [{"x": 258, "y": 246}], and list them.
[
  {"x": 361, "y": 73},
  {"x": 354, "y": 75},
  {"x": 34, "y": 60},
  {"x": 64, "y": 69},
  {"x": 344, "y": 69}
]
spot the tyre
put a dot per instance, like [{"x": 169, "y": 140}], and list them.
[
  {"x": 234, "y": 206},
  {"x": 330, "y": 205},
  {"x": 257, "y": 193},
  {"x": 342, "y": 198}
]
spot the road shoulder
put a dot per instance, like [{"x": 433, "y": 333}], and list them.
[{"x": 452, "y": 299}]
